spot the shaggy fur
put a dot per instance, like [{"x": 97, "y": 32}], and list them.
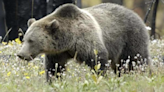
[{"x": 114, "y": 31}]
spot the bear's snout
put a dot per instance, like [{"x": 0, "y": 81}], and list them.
[{"x": 24, "y": 57}]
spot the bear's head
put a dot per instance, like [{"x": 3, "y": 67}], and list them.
[{"x": 55, "y": 33}]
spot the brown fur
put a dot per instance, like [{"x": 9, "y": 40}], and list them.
[{"x": 114, "y": 31}]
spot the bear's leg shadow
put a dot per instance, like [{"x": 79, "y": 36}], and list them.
[{"x": 55, "y": 62}]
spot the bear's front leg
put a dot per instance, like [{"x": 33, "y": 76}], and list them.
[
  {"x": 100, "y": 58},
  {"x": 55, "y": 64}
]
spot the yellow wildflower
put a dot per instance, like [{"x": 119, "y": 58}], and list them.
[
  {"x": 27, "y": 77},
  {"x": 42, "y": 56},
  {"x": 25, "y": 74},
  {"x": 17, "y": 40},
  {"x": 42, "y": 72},
  {"x": 8, "y": 74},
  {"x": 4, "y": 43}
]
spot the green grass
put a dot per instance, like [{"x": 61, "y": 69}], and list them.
[{"x": 19, "y": 76}]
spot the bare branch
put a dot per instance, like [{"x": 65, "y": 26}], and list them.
[
  {"x": 147, "y": 13},
  {"x": 153, "y": 24}
]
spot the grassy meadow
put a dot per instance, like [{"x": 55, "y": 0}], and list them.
[{"x": 20, "y": 76}]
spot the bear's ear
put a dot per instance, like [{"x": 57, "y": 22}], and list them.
[
  {"x": 54, "y": 24},
  {"x": 30, "y": 21},
  {"x": 68, "y": 10}
]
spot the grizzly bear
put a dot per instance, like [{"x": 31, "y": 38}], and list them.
[{"x": 105, "y": 31}]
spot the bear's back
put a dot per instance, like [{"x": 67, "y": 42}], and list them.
[
  {"x": 120, "y": 26},
  {"x": 116, "y": 21},
  {"x": 112, "y": 15}
]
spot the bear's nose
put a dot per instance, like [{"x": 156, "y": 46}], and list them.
[{"x": 20, "y": 56}]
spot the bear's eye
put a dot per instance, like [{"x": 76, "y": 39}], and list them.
[{"x": 30, "y": 41}]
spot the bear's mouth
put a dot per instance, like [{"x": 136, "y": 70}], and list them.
[{"x": 27, "y": 58}]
